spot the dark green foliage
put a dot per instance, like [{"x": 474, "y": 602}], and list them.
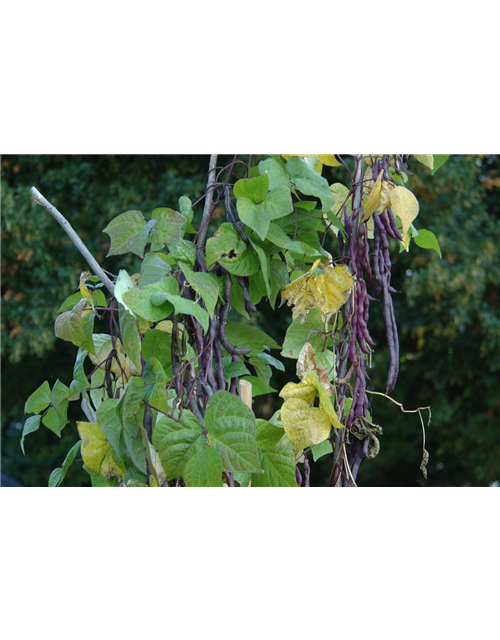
[{"x": 40, "y": 267}]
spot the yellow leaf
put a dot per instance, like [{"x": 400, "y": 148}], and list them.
[
  {"x": 334, "y": 285},
  {"x": 372, "y": 202},
  {"x": 330, "y": 161},
  {"x": 405, "y": 205},
  {"x": 84, "y": 276},
  {"x": 370, "y": 226},
  {"x": 302, "y": 391},
  {"x": 427, "y": 159},
  {"x": 385, "y": 196},
  {"x": 325, "y": 402},
  {"x": 406, "y": 241},
  {"x": 143, "y": 325},
  {"x": 370, "y": 157},
  {"x": 303, "y": 424},
  {"x": 324, "y": 288},
  {"x": 166, "y": 325},
  {"x": 95, "y": 445},
  {"x": 302, "y": 293}
]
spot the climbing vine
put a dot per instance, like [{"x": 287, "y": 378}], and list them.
[{"x": 165, "y": 378}]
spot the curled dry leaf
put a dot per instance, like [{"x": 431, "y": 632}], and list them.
[
  {"x": 362, "y": 428},
  {"x": 423, "y": 465},
  {"x": 307, "y": 362},
  {"x": 323, "y": 287}
]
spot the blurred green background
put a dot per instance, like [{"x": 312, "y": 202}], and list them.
[{"x": 447, "y": 311}]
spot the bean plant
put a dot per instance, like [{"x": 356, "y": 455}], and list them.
[{"x": 166, "y": 384}]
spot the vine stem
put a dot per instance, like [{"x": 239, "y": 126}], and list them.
[
  {"x": 207, "y": 210},
  {"x": 74, "y": 237}
]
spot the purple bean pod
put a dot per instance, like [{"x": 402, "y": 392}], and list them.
[
  {"x": 387, "y": 226},
  {"x": 385, "y": 263},
  {"x": 218, "y": 367},
  {"x": 235, "y": 351},
  {"x": 392, "y": 340},
  {"x": 376, "y": 253},
  {"x": 368, "y": 268},
  {"x": 394, "y": 224},
  {"x": 353, "y": 254},
  {"x": 234, "y": 381},
  {"x": 249, "y": 305},
  {"x": 353, "y": 352}
]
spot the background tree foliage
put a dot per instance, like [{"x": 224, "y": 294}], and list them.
[{"x": 447, "y": 311}]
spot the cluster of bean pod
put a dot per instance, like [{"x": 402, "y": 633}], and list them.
[{"x": 371, "y": 266}]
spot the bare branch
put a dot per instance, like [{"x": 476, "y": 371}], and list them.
[
  {"x": 207, "y": 211},
  {"x": 75, "y": 238}
]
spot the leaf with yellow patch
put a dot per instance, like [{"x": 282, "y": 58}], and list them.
[
  {"x": 302, "y": 293},
  {"x": 110, "y": 467},
  {"x": 373, "y": 199},
  {"x": 405, "y": 205},
  {"x": 329, "y": 160},
  {"x": 427, "y": 159},
  {"x": 84, "y": 276},
  {"x": 95, "y": 445},
  {"x": 303, "y": 424}
]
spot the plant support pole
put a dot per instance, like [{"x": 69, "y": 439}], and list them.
[
  {"x": 74, "y": 237},
  {"x": 207, "y": 210}
]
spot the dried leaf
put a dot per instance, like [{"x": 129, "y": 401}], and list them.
[
  {"x": 322, "y": 287},
  {"x": 362, "y": 428},
  {"x": 307, "y": 362},
  {"x": 423, "y": 465}
]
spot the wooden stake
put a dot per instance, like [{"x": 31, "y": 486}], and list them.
[{"x": 246, "y": 392}]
